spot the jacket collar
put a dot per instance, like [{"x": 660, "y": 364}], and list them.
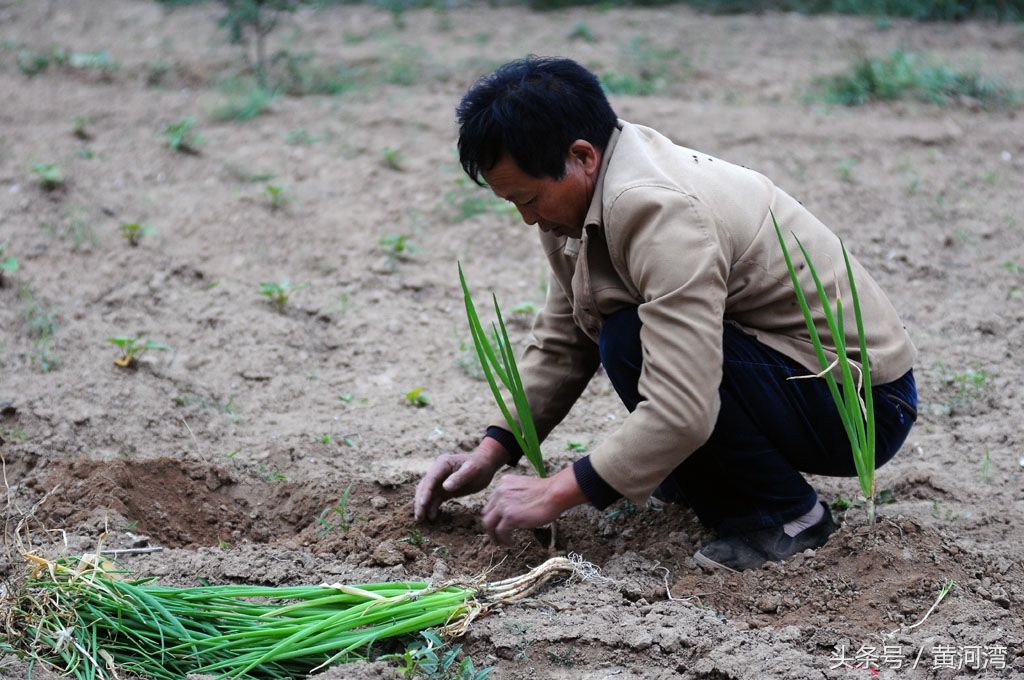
[{"x": 595, "y": 213}]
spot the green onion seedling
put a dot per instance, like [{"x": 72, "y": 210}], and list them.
[
  {"x": 857, "y": 415},
  {"x": 133, "y": 348}
]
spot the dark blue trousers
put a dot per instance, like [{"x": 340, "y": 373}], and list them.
[{"x": 747, "y": 476}]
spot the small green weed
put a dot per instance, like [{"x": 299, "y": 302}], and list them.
[
  {"x": 41, "y": 323},
  {"x": 301, "y": 77},
  {"x": 132, "y": 348},
  {"x": 417, "y": 397},
  {"x": 986, "y": 467},
  {"x": 134, "y": 232},
  {"x": 414, "y": 537},
  {"x": 845, "y": 168},
  {"x": 278, "y": 292},
  {"x": 336, "y": 517},
  {"x": 965, "y": 388},
  {"x": 651, "y": 69},
  {"x": 268, "y": 475},
  {"x": 276, "y": 196},
  {"x": 392, "y": 158},
  {"x": 470, "y": 200},
  {"x": 527, "y": 309},
  {"x": 32, "y": 63},
  {"x": 582, "y": 32},
  {"x": 81, "y": 129},
  {"x": 299, "y": 137},
  {"x": 8, "y": 263},
  {"x": 624, "y": 510},
  {"x": 245, "y": 105},
  {"x": 78, "y": 229},
  {"x": 906, "y": 75},
  {"x": 49, "y": 175},
  {"x": 181, "y": 136},
  {"x": 397, "y": 246},
  {"x": 431, "y": 659}
]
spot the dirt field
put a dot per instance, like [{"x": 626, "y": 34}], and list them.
[{"x": 231, "y": 449}]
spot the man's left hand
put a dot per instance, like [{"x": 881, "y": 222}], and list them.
[{"x": 520, "y": 502}]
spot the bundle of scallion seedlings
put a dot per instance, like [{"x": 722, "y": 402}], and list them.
[
  {"x": 856, "y": 414},
  {"x": 88, "y": 619}
]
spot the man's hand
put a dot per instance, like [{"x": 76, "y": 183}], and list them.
[
  {"x": 521, "y": 502},
  {"x": 458, "y": 474}
]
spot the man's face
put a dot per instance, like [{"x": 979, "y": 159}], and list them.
[{"x": 554, "y": 205}]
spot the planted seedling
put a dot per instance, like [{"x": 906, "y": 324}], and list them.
[
  {"x": 278, "y": 292},
  {"x": 276, "y": 196},
  {"x": 504, "y": 370},
  {"x": 181, "y": 137},
  {"x": 857, "y": 415},
  {"x": 134, "y": 232},
  {"x": 335, "y": 518},
  {"x": 417, "y": 397},
  {"x": 49, "y": 175},
  {"x": 133, "y": 348}
]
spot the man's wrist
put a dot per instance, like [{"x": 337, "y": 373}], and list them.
[
  {"x": 564, "y": 490},
  {"x": 492, "y": 453}
]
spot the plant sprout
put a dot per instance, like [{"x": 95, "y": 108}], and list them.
[
  {"x": 417, "y": 397},
  {"x": 397, "y": 246},
  {"x": 49, "y": 175},
  {"x": 278, "y": 292},
  {"x": 276, "y": 195},
  {"x": 504, "y": 370},
  {"x": 338, "y": 513},
  {"x": 134, "y": 232},
  {"x": 8, "y": 265},
  {"x": 393, "y": 159},
  {"x": 180, "y": 136},
  {"x": 133, "y": 348},
  {"x": 858, "y": 417}
]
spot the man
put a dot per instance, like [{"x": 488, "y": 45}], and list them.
[{"x": 666, "y": 270}]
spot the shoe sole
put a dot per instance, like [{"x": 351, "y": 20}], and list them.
[{"x": 708, "y": 563}]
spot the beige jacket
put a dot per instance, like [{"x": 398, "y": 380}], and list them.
[{"x": 689, "y": 239}]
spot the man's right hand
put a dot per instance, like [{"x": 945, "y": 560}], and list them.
[{"x": 458, "y": 474}]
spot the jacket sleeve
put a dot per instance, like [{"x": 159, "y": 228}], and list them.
[
  {"x": 666, "y": 243},
  {"x": 556, "y": 365}
]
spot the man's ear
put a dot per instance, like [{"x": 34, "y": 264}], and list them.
[{"x": 586, "y": 155}]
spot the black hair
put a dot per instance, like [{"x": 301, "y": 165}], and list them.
[{"x": 533, "y": 108}]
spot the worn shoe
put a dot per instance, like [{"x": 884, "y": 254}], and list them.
[{"x": 752, "y": 549}]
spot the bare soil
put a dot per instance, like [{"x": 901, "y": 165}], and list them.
[{"x": 233, "y": 449}]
